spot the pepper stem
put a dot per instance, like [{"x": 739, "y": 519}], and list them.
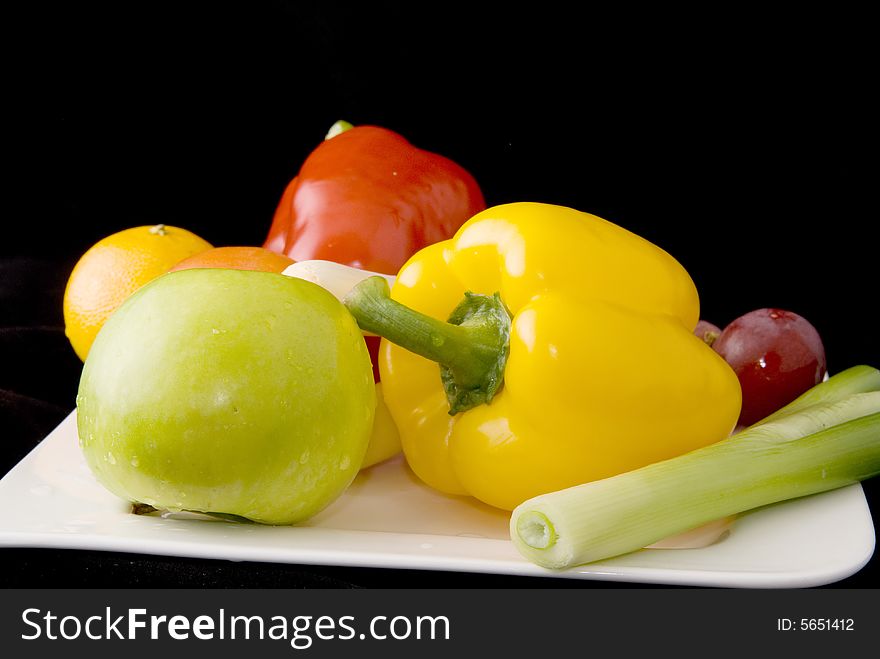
[
  {"x": 339, "y": 127},
  {"x": 471, "y": 348}
]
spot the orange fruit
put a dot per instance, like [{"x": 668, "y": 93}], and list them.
[
  {"x": 114, "y": 268},
  {"x": 237, "y": 258}
]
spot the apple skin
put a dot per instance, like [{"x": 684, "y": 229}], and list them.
[{"x": 228, "y": 391}]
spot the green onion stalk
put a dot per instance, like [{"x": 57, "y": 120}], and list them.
[{"x": 827, "y": 438}]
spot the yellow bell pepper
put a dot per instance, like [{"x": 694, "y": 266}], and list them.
[
  {"x": 385, "y": 440},
  {"x": 571, "y": 359}
]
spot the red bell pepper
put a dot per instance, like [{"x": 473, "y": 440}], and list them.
[{"x": 369, "y": 199}]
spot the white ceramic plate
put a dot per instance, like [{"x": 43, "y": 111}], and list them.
[{"x": 388, "y": 519}]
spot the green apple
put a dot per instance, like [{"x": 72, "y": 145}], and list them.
[{"x": 228, "y": 391}]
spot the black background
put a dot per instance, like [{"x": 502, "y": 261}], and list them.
[{"x": 741, "y": 142}]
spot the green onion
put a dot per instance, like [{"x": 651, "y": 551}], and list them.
[
  {"x": 826, "y": 439},
  {"x": 855, "y": 380}
]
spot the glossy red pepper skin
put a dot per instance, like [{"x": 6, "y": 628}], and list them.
[{"x": 370, "y": 199}]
